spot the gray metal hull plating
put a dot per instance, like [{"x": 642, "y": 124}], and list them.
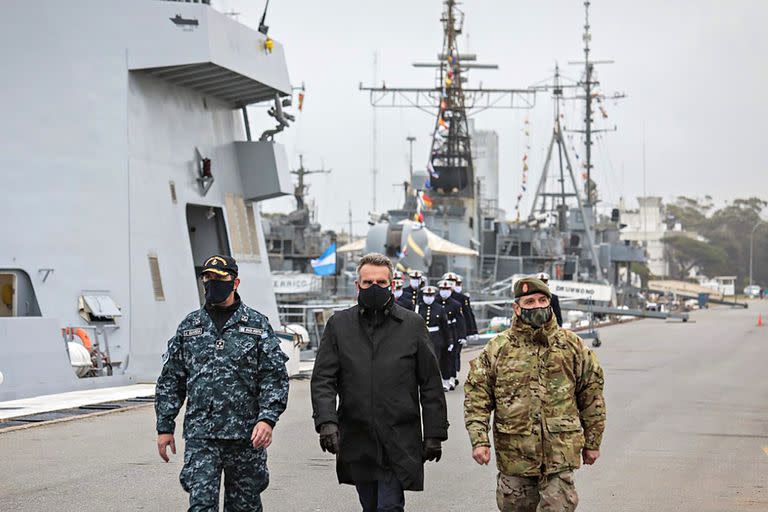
[{"x": 90, "y": 151}]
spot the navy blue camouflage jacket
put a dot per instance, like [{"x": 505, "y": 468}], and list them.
[{"x": 231, "y": 380}]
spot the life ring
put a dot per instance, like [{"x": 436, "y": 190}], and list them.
[
  {"x": 84, "y": 338},
  {"x": 80, "y": 333}
]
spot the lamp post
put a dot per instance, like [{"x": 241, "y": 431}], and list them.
[
  {"x": 411, "y": 139},
  {"x": 751, "y": 247}
]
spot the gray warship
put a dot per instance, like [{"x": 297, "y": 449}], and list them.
[
  {"x": 562, "y": 235},
  {"x": 127, "y": 158}
]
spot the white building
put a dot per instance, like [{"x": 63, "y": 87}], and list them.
[
  {"x": 485, "y": 157},
  {"x": 646, "y": 226}
]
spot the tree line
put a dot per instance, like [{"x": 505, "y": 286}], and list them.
[{"x": 717, "y": 240}]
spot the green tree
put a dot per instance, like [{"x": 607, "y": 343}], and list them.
[
  {"x": 685, "y": 253},
  {"x": 727, "y": 229}
]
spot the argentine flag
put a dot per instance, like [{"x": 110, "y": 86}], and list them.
[{"x": 325, "y": 265}]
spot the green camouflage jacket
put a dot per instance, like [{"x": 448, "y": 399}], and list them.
[
  {"x": 546, "y": 396},
  {"x": 231, "y": 380}
]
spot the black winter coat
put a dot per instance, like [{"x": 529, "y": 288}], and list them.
[
  {"x": 555, "y": 302},
  {"x": 384, "y": 379}
]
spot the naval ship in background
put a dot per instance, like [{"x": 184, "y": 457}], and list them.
[
  {"x": 563, "y": 235},
  {"x": 127, "y": 158}
]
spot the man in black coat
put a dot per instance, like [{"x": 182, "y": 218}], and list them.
[
  {"x": 377, "y": 358},
  {"x": 554, "y": 301}
]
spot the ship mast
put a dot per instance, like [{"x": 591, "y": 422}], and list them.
[
  {"x": 450, "y": 159},
  {"x": 300, "y": 189},
  {"x": 446, "y": 197},
  {"x": 589, "y": 84},
  {"x": 588, "y": 88}
]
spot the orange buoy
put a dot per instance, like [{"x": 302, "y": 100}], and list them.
[{"x": 84, "y": 338}]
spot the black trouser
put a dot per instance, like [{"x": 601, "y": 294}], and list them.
[
  {"x": 384, "y": 495},
  {"x": 457, "y": 360},
  {"x": 444, "y": 358}
]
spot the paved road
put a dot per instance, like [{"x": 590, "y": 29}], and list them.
[{"x": 687, "y": 431}]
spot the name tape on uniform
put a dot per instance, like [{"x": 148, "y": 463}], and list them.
[
  {"x": 192, "y": 332},
  {"x": 251, "y": 330}
]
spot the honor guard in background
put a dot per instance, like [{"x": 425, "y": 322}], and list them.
[
  {"x": 227, "y": 364},
  {"x": 456, "y": 319},
  {"x": 440, "y": 332},
  {"x": 555, "y": 299},
  {"x": 545, "y": 390},
  {"x": 412, "y": 292},
  {"x": 400, "y": 299},
  {"x": 467, "y": 314}
]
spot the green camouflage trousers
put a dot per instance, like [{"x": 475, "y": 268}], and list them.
[
  {"x": 245, "y": 475},
  {"x": 549, "y": 493}
]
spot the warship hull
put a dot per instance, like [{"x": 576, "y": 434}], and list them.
[{"x": 125, "y": 163}]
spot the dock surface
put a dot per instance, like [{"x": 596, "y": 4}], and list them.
[{"x": 687, "y": 431}]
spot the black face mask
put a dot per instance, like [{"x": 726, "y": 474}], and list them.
[
  {"x": 536, "y": 317},
  {"x": 374, "y": 297},
  {"x": 217, "y": 291}
]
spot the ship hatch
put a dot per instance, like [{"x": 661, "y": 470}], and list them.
[{"x": 207, "y": 235}]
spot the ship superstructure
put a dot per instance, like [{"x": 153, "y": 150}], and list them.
[{"x": 446, "y": 197}]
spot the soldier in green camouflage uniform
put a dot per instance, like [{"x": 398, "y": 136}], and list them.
[
  {"x": 227, "y": 363},
  {"x": 545, "y": 388}
]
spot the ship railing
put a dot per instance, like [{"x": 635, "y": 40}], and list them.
[{"x": 312, "y": 316}]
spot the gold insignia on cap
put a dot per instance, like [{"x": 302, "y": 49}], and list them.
[
  {"x": 525, "y": 287},
  {"x": 215, "y": 260}
]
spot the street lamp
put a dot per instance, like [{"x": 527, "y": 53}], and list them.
[
  {"x": 751, "y": 247},
  {"x": 411, "y": 139}
]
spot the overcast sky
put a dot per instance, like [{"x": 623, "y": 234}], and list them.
[{"x": 693, "y": 71}]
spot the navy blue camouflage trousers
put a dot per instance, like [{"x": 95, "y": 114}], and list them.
[{"x": 245, "y": 475}]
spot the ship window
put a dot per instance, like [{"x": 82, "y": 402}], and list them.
[
  {"x": 8, "y": 295},
  {"x": 173, "y": 192},
  {"x": 157, "y": 282},
  {"x": 242, "y": 228},
  {"x": 17, "y": 297}
]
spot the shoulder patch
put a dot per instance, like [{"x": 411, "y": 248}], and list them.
[
  {"x": 166, "y": 356},
  {"x": 251, "y": 330},
  {"x": 188, "y": 333}
]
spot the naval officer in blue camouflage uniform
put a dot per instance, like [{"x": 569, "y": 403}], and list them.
[{"x": 226, "y": 361}]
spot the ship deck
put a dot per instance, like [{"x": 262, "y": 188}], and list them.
[{"x": 687, "y": 431}]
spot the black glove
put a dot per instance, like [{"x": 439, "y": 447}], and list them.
[
  {"x": 432, "y": 449},
  {"x": 329, "y": 438}
]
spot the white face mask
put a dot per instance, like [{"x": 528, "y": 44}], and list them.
[
  {"x": 445, "y": 293},
  {"x": 398, "y": 293},
  {"x": 415, "y": 283},
  {"x": 457, "y": 289},
  {"x": 429, "y": 299}
]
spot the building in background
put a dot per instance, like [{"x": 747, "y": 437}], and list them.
[
  {"x": 647, "y": 227},
  {"x": 485, "y": 157}
]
